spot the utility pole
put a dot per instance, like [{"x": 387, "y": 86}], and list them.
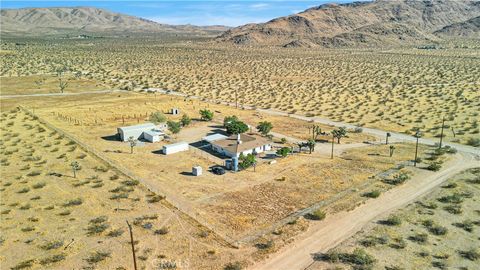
[
  {"x": 133, "y": 246},
  {"x": 333, "y": 141},
  {"x": 386, "y": 139},
  {"x": 441, "y": 133},
  {"x": 417, "y": 135},
  {"x": 236, "y": 98}
]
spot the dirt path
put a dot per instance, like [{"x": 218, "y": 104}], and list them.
[
  {"x": 62, "y": 94},
  {"x": 330, "y": 232}
]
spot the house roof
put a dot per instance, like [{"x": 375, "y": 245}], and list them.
[
  {"x": 154, "y": 132},
  {"x": 248, "y": 142},
  {"x": 137, "y": 127},
  {"x": 214, "y": 137}
]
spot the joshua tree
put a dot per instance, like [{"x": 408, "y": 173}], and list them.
[
  {"x": 264, "y": 127},
  {"x": 75, "y": 167},
  {"x": 133, "y": 143},
  {"x": 339, "y": 133},
  {"x": 417, "y": 135},
  {"x": 333, "y": 142},
  {"x": 392, "y": 148},
  {"x": 316, "y": 131},
  {"x": 441, "y": 133},
  {"x": 62, "y": 85},
  {"x": 386, "y": 138},
  {"x": 311, "y": 145}
]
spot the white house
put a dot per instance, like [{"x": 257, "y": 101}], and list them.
[
  {"x": 175, "y": 148},
  {"x": 235, "y": 145},
  {"x": 139, "y": 132}
]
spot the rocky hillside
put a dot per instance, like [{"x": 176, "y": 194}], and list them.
[
  {"x": 377, "y": 23},
  {"x": 85, "y": 20},
  {"x": 469, "y": 28}
]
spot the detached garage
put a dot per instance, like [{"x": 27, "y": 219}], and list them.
[{"x": 175, "y": 148}]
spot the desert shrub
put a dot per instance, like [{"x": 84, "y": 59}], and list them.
[
  {"x": 397, "y": 179},
  {"x": 114, "y": 177},
  {"x": 264, "y": 245},
  {"x": 454, "y": 198},
  {"x": 52, "y": 245},
  {"x": 467, "y": 225},
  {"x": 420, "y": 238},
  {"x": 24, "y": 190},
  {"x": 23, "y": 265},
  {"x": 475, "y": 142},
  {"x": 372, "y": 194},
  {"x": 316, "y": 215},
  {"x": 359, "y": 257},
  {"x": 398, "y": 243},
  {"x": 392, "y": 221},
  {"x": 119, "y": 196},
  {"x": 28, "y": 229},
  {"x": 161, "y": 231},
  {"x": 434, "y": 228},
  {"x": 53, "y": 259},
  {"x": 434, "y": 166},
  {"x": 39, "y": 185},
  {"x": 394, "y": 267},
  {"x": 439, "y": 264},
  {"x": 115, "y": 233},
  {"x": 450, "y": 185},
  {"x": 131, "y": 182},
  {"x": 472, "y": 254},
  {"x": 97, "y": 257},
  {"x": 101, "y": 169},
  {"x": 74, "y": 202},
  {"x": 96, "y": 228},
  {"x": 33, "y": 173},
  {"x": 372, "y": 241},
  {"x": 155, "y": 198},
  {"x": 233, "y": 266},
  {"x": 64, "y": 213},
  {"x": 455, "y": 209},
  {"x": 25, "y": 206}
]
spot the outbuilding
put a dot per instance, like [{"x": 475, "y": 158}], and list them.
[
  {"x": 153, "y": 135},
  {"x": 135, "y": 131},
  {"x": 175, "y": 148}
]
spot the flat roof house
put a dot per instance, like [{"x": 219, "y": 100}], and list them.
[{"x": 235, "y": 145}]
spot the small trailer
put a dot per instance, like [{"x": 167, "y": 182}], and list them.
[{"x": 175, "y": 148}]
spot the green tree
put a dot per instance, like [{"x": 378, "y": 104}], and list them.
[
  {"x": 229, "y": 119},
  {"x": 246, "y": 161},
  {"x": 283, "y": 152},
  {"x": 157, "y": 117},
  {"x": 236, "y": 127},
  {"x": 264, "y": 127},
  {"x": 133, "y": 142},
  {"x": 174, "y": 127},
  {"x": 206, "y": 115},
  {"x": 185, "y": 120},
  {"x": 75, "y": 167}
]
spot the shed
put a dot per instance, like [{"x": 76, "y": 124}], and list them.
[
  {"x": 214, "y": 137},
  {"x": 175, "y": 111},
  {"x": 153, "y": 135},
  {"x": 175, "y": 148},
  {"x": 135, "y": 131},
  {"x": 197, "y": 170}
]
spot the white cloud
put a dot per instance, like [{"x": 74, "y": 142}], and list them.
[{"x": 259, "y": 6}]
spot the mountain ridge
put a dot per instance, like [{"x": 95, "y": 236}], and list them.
[
  {"x": 86, "y": 20},
  {"x": 376, "y": 23}
]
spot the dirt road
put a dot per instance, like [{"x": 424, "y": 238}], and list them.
[{"x": 330, "y": 232}]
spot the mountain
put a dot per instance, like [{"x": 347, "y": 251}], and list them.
[
  {"x": 469, "y": 28},
  {"x": 377, "y": 23},
  {"x": 85, "y": 20}
]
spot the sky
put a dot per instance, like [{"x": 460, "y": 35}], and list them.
[{"x": 230, "y": 13}]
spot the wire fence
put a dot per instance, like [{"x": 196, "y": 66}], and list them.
[{"x": 170, "y": 198}]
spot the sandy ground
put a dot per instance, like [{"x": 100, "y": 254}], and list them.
[{"x": 336, "y": 228}]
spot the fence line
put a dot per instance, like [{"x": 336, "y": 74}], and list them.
[{"x": 169, "y": 197}]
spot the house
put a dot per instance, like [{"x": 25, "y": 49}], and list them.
[
  {"x": 175, "y": 148},
  {"x": 138, "y": 132},
  {"x": 235, "y": 145}
]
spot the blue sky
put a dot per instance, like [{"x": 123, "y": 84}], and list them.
[{"x": 231, "y": 13}]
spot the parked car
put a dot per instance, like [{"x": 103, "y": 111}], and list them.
[{"x": 218, "y": 170}]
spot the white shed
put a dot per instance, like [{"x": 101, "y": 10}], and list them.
[
  {"x": 153, "y": 135},
  {"x": 197, "y": 170},
  {"x": 175, "y": 148},
  {"x": 135, "y": 131}
]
